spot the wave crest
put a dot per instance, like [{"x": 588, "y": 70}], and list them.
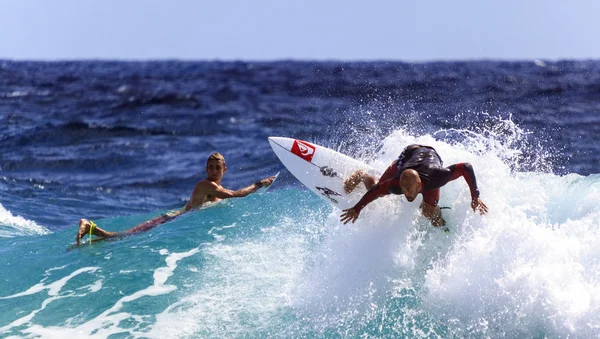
[{"x": 15, "y": 226}]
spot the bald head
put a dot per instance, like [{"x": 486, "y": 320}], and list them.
[
  {"x": 408, "y": 177},
  {"x": 410, "y": 182}
]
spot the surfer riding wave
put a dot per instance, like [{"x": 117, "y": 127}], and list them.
[{"x": 418, "y": 169}]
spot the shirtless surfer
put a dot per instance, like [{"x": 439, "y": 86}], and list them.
[
  {"x": 419, "y": 169},
  {"x": 207, "y": 190}
]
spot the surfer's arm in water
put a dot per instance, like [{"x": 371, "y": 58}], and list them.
[
  {"x": 441, "y": 176},
  {"x": 381, "y": 189},
  {"x": 207, "y": 190}
]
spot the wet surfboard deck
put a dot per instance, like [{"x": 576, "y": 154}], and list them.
[{"x": 320, "y": 169}]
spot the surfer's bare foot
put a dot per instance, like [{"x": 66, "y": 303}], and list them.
[
  {"x": 438, "y": 222},
  {"x": 434, "y": 214},
  {"x": 84, "y": 228},
  {"x": 353, "y": 180},
  {"x": 356, "y": 178}
]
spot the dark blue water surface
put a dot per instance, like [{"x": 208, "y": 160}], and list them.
[{"x": 132, "y": 137}]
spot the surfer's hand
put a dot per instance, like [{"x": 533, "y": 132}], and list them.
[
  {"x": 349, "y": 214},
  {"x": 267, "y": 181},
  {"x": 478, "y": 206}
]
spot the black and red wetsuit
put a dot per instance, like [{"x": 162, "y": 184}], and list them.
[{"x": 428, "y": 164}]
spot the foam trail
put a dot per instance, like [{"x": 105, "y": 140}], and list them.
[
  {"x": 52, "y": 288},
  {"x": 14, "y": 226},
  {"x": 107, "y": 323},
  {"x": 160, "y": 277},
  {"x": 53, "y": 291},
  {"x": 242, "y": 286}
]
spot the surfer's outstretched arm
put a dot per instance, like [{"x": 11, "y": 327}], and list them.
[
  {"x": 207, "y": 190},
  {"x": 351, "y": 214},
  {"x": 85, "y": 226},
  {"x": 466, "y": 171},
  {"x": 224, "y": 193}
]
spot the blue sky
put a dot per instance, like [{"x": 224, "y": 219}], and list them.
[{"x": 416, "y": 30}]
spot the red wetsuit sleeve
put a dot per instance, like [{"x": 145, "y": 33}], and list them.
[
  {"x": 375, "y": 192},
  {"x": 380, "y": 189},
  {"x": 465, "y": 170}
]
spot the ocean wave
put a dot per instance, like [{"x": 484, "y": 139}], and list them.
[
  {"x": 16, "y": 226},
  {"x": 281, "y": 264}
]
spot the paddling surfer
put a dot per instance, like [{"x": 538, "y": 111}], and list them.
[{"x": 207, "y": 190}]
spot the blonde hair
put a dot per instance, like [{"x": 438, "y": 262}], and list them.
[{"x": 216, "y": 156}]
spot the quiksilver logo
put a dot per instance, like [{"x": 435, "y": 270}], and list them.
[{"x": 303, "y": 149}]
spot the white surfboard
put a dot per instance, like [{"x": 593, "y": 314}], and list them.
[{"x": 321, "y": 169}]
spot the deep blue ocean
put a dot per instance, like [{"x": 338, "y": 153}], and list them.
[{"x": 121, "y": 142}]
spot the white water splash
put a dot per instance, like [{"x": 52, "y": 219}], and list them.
[
  {"x": 241, "y": 287},
  {"x": 528, "y": 268},
  {"x": 14, "y": 226}
]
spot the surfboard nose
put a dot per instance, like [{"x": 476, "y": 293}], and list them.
[{"x": 281, "y": 142}]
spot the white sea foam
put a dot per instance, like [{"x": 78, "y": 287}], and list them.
[
  {"x": 53, "y": 293},
  {"x": 109, "y": 322},
  {"x": 241, "y": 287},
  {"x": 528, "y": 267},
  {"x": 13, "y": 226}
]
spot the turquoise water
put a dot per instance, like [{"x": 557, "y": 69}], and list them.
[
  {"x": 127, "y": 286},
  {"x": 280, "y": 264}
]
